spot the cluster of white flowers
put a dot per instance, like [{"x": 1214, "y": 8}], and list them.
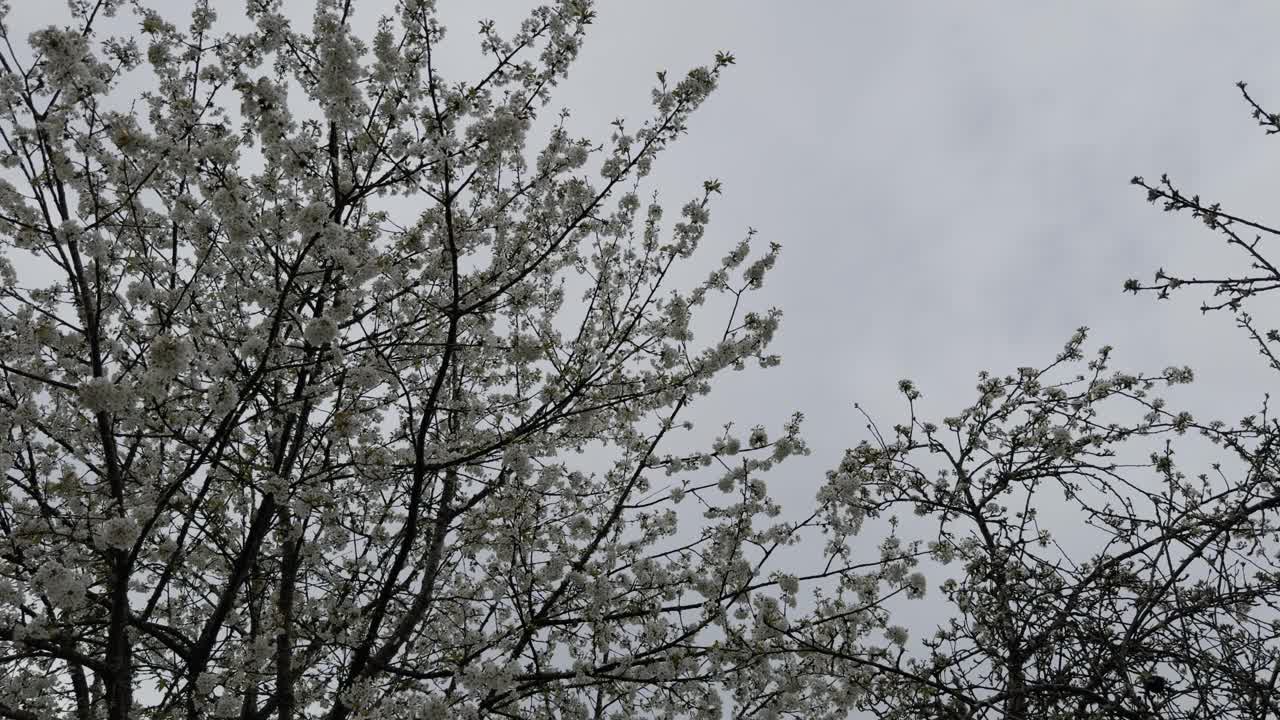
[
  {"x": 116, "y": 533},
  {"x": 253, "y": 346},
  {"x": 100, "y": 394},
  {"x": 140, "y": 291},
  {"x": 71, "y": 66},
  {"x": 916, "y": 585},
  {"x": 321, "y": 331},
  {"x": 789, "y": 584},
  {"x": 730, "y": 478},
  {"x": 1060, "y": 442},
  {"x": 228, "y": 705},
  {"x": 206, "y": 682},
  {"x": 897, "y": 635},
  {"x": 10, "y": 595},
  {"x": 727, "y": 445},
  {"x": 62, "y": 586},
  {"x": 170, "y": 355},
  {"x": 942, "y": 551},
  {"x": 516, "y": 460}
]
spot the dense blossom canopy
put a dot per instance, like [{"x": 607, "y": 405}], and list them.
[
  {"x": 333, "y": 386},
  {"x": 307, "y": 364}
]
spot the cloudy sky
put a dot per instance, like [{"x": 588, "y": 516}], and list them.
[{"x": 950, "y": 185}]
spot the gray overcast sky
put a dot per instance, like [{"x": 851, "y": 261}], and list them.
[{"x": 949, "y": 183}]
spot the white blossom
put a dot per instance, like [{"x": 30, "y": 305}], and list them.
[
  {"x": 759, "y": 437},
  {"x": 896, "y": 634},
  {"x": 321, "y": 331},
  {"x": 63, "y": 587},
  {"x": 916, "y": 585},
  {"x": 117, "y": 533},
  {"x": 170, "y": 355},
  {"x": 100, "y": 394}
]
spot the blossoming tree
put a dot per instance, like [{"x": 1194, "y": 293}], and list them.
[
  {"x": 304, "y": 360},
  {"x": 1095, "y": 576}
]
